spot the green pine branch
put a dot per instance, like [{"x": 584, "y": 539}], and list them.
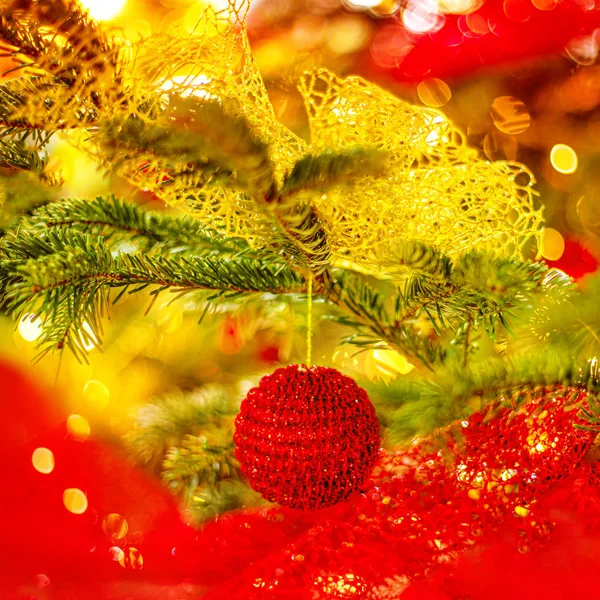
[
  {"x": 572, "y": 320},
  {"x": 317, "y": 173},
  {"x": 115, "y": 220},
  {"x": 204, "y": 135},
  {"x": 187, "y": 439},
  {"x": 420, "y": 406},
  {"x": 67, "y": 278},
  {"x": 64, "y": 263},
  {"x": 481, "y": 290},
  {"x": 164, "y": 422}
]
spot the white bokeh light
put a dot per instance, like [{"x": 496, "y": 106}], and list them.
[
  {"x": 422, "y": 16},
  {"x": 103, "y": 10}
]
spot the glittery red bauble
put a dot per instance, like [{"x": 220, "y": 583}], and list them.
[{"x": 306, "y": 437}]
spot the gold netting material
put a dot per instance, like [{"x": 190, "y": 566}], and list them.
[{"x": 436, "y": 189}]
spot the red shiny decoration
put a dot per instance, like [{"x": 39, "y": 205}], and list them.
[
  {"x": 576, "y": 260},
  {"x": 306, "y": 437}
]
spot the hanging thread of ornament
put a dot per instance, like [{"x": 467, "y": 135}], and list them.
[{"x": 309, "y": 322}]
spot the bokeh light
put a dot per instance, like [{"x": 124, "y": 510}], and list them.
[
  {"x": 434, "y": 92},
  {"x": 563, "y": 159},
  {"x": 43, "y": 460},
  {"x": 30, "y": 328},
  {"x": 510, "y": 115},
  {"x": 545, "y": 4},
  {"x": 459, "y": 7},
  {"x": 169, "y": 317},
  {"x": 96, "y": 393},
  {"x": 132, "y": 559},
  {"x": 75, "y": 501},
  {"x": 361, "y": 4},
  {"x": 518, "y": 10},
  {"x": 421, "y": 16},
  {"x": 116, "y": 553},
  {"x": 385, "y": 364},
  {"x": 553, "y": 244},
  {"x": 348, "y": 33},
  {"x": 103, "y": 10},
  {"x": 588, "y": 210},
  {"x": 115, "y": 526},
  {"x": 78, "y": 427}
]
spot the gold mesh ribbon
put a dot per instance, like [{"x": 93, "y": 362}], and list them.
[{"x": 435, "y": 189}]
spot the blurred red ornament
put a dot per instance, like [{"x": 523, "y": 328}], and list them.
[
  {"x": 230, "y": 335},
  {"x": 270, "y": 354},
  {"x": 306, "y": 437},
  {"x": 497, "y": 33},
  {"x": 576, "y": 260}
]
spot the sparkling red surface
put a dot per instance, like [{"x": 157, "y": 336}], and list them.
[{"x": 306, "y": 437}]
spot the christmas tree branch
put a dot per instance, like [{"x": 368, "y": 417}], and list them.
[
  {"x": 187, "y": 438},
  {"x": 164, "y": 422},
  {"x": 317, "y": 173},
  {"x": 66, "y": 277},
  {"x": 456, "y": 391},
  {"x": 115, "y": 220},
  {"x": 477, "y": 289},
  {"x": 204, "y": 135},
  {"x": 58, "y": 267}
]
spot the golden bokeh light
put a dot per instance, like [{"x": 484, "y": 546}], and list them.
[
  {"x": 553, "y": 244},
  {"x": 78, "y": 427},
  {"x": 30, "y": 328},
  {"x": 132, "y": 559},
  {"x": 115, "y": 526},
  {"x": 588, "y": 210},
  {"x": 362, "y": 4},
  {"x": 96, "y": 394},
  {"x": 500, "y": 146},
  {"x": 385, "y": 364},
  {"x": 434, "y": 92},
  {"x": 510, "y": 115},
  {"x": 563, "y": 159},
  {"x": 386, "y": 8},
  {"x": 346, "y": 34},
  {"x": 459, "y": 7},
  {"x": 103, "y": 10},
  {"x": 75, "y": 501},
  {"x": 43, "y": 460}
]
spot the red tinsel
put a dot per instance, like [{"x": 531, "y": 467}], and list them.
[{"x": 306, "y": 437}]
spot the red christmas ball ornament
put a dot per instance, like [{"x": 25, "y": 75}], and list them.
[{"x": 306, "y": 437}]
